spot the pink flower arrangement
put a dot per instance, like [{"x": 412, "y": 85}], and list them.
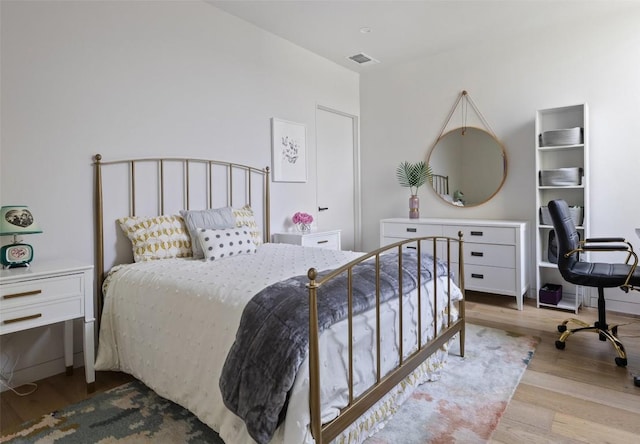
[{"x": 302, "y": 220}]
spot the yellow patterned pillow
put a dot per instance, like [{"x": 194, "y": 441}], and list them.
[
  {"x": 245, "y": 218},
  {"x": 159, "y": 237}
]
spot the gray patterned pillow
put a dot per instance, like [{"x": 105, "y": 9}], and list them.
[
  {"x": 214, "y": 218},
  {"x": 220, "y": 244}
]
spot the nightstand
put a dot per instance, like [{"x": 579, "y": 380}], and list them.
[
  {"x": 321, "y": 239},
  {"x": 46, "y": 293}
]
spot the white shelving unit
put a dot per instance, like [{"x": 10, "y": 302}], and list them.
[{"x": 553, "y": 157}]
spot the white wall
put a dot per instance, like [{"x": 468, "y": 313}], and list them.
[
  {"x": 136, "y": 79},
  {"x": 404, "y": 108}
]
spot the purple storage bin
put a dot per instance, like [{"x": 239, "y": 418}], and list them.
[{"x": 551, "y": 294}]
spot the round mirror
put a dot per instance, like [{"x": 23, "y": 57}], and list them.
[{"x": 469, "y": 167}]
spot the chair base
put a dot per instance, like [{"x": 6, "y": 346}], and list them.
[{"x": 604, "y": 332}]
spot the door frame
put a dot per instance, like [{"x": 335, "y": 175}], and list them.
[{"x": 357, "y": 190}]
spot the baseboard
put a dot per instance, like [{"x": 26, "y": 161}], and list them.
[{"x": 43, "y": 370}]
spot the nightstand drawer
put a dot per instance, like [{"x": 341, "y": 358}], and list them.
[
  {"x": 38, "y": 291},
  {"x": 318, "y": 239},
  {"x": 322, "y": 240},
  {"x": 44, "y": 313}
]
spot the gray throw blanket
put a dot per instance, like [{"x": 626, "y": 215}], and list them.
[{"x": 273, "y": 336}]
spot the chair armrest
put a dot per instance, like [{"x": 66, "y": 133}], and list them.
[
  {"x": 604, "y": 239},
  {"x": 604, "y": 248}
]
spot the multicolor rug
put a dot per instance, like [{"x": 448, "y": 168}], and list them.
[{"x": 464, "y": 406}]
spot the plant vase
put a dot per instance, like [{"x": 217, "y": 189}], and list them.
[
  {"x": 304, "y": 228},
  {"x": 414, "y": 207}
]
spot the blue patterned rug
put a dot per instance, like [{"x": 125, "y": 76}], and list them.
[{"x": 464, "y": 406}]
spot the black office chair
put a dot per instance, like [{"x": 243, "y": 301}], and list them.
[{"x": 593, "y": 274}]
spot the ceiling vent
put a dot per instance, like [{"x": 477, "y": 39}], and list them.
[{"x": 363, "y": 59}]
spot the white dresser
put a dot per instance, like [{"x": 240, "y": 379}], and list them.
[
  {"x": 321, "y": 239},
  {"x": 494, "y": 250}
]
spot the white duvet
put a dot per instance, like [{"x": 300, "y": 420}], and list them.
[{"x": 170, "y": 323}]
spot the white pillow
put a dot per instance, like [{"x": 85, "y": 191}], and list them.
[
  {"x": 220, "y": 244},
  {"x": 215, "y": 218}
]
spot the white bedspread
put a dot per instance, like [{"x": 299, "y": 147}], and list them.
[{"x": 170, "y": 323}]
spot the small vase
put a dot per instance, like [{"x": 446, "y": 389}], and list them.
[
  {"x": 303, "y": 228},
  {"x": 414, "y": 207}
]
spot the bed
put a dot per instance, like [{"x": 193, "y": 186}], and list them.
[{"x": 181, "y": 325}]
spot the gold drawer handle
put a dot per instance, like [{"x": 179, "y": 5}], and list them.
[
  {"x": 25, "y": 318},
  {"x": 19, "y": 295}
]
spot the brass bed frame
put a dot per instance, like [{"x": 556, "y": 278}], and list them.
[
  {"x": 440, "y": 183},
  {"x": 242, "y": 175}
]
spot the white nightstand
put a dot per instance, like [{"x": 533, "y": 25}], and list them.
[
  {"x": 321, "y": 239},
  {"x": 46, "y": 293}
]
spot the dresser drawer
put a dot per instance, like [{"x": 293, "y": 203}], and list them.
[
  {"x": 490, "y": 279},
  {"x": 44, "y": 313},
  {"x": 322, "y": 240},
  {"x": 488, "y": 254},
  {"x": 481, "y": 234},
  {"x": 40, "y": 291},
  {"x": 409, "y": 230}
]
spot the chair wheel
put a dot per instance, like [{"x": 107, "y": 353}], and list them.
[
  {"x": 562, "y": 328},
  {"x": 560, "y": 346},
  {"x": 621, "y": 362}
]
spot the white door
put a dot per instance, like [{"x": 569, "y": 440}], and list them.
[{"x": 338, "y": 178}]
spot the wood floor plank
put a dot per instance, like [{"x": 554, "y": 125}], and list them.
[{"x": 589, "y": 431}]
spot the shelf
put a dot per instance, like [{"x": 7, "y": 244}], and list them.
[
  {"x": 568, "y": 302},
  {"x": 561, "y": 147},
  {"x": 562, "y": 187},
  {"x": 550, "y": 227},
  {"x": 547, "y": 264},
  {"x": 575, "y": 194}
]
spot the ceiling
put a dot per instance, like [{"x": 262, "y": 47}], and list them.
[{"x": 401, "y": 30}]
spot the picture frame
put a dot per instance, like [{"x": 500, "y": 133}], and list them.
[{"x": 289, "y": 151}]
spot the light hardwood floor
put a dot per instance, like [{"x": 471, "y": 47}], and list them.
[{"x": 575, "y": 395}]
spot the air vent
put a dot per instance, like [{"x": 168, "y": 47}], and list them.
[{"x": 363, "y": 59}]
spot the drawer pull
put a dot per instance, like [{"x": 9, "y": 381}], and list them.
[
  {"x": 476, "y": 233},
  {"x": 477, "y": 275},
  {"x": 24, "y": 318},
  {"x": 412, "y": 230},
  {"x": 19, "y": 295},
  {"x": 477, "y": 253},
  {"x": 411, "y": 248},
  {"x": 323, "y": 241}
]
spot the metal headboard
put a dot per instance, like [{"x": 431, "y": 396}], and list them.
[
  {"x": 194, "y": 180},
  {"x": 440, "y": 183}
]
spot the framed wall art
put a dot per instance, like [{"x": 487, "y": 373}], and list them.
[{"x": 289, "y": 151}]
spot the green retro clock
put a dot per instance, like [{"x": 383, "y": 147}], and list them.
[
  {"x": 16, "y": 255},
  {"x": 14, "y": 221}
]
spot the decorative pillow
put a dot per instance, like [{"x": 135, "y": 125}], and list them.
[
  {"x": 159, "y": 237},
  {"x": 216, "y": 219},
  {"x": 245, "y": 218},
  {"x": 219, "y": 244}
]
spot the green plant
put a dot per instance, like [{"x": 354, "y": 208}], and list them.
[{"x": 413, "y": 175}]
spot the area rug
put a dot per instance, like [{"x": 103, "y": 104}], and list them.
[{"x": 464, "y": 406}]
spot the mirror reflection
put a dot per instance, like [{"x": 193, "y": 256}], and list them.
[{"x": 469, "y": 167}]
